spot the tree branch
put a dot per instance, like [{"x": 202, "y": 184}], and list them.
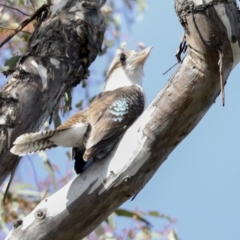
[{"x": 66, "y": 41}]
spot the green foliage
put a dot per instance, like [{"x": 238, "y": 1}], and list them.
[
  {"x": 12, "y": 62},
  {"x": 67, "y": 101},
  {"x": 79, "y": 104},
  {"x": 135, "y": 226},
  {"x": 10, "y": 65},
  {"x": 56, "y": 120},
  {"x": 126, "y": 213}
]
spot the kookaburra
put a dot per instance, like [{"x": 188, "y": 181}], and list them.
[{"x": 93, "y": 131}]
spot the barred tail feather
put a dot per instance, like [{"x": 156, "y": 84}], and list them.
[
  {"x": 31, "y": 137},
  {"x": 31, "y": 147}
]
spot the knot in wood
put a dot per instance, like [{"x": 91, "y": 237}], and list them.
[
  {"x": 234, "y": 38},
  {"x": 17, "y": 223},
  {"x": 127, "y": 179},
  {"x": 40, "y": 214}
]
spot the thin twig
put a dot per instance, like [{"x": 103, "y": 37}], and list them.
[
  {"x": 34, "y": 173},
  {"x": 10, "y": 180},
  {"x": 33, "y": 5},
  {"x": 25, "y": 23},
  {"x": 14, "y": 9},
  {"x": 171, "y": 68},
  {"x": 220, "y": 63},
  {"x": 11, "y": 29}
]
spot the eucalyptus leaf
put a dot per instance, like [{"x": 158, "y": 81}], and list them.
[
  {"x": 57, "y": 120},
  {"x": 160, "y": 215},
  {"x": 12, "y": 62},
  {"x": 67, "y": 101},
  {"x": 130, "y": 214},
  {"x": 79, "y": 104}
]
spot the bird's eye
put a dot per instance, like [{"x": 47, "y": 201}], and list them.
[{"x": 123, "y": 58}]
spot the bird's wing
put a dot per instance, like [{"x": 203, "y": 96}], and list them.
[
  {"x": 79, "y": 117},
  {"x": 109, "y": 115}
]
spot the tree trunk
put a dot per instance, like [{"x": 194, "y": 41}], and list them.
[
  {"x": 66, "y": 41},
  {"x": 212, "y": 34}
]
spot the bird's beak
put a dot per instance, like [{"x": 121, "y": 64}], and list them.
[{"x": 142, "y": 56}]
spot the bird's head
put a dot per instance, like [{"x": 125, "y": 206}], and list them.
[{"x": 126, "y": 69}]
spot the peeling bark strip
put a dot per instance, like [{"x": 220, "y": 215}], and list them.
[
  {"x": 79, "y": 207},
  {"x": 66, "y": 41}
]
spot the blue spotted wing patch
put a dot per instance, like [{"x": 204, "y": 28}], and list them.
[{"x": 119, "y": 109}]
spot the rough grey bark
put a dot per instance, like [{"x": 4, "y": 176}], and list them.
[
  {"x": 66, "y": 41},
  {"x": 212, "y": 35}
]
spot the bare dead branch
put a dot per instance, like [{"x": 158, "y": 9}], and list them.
[
  {"x": 25, "y": 23},
  {"x": 11, "y": 29}
]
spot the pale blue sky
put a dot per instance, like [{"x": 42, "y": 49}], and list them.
[{"x": 199, "y": 183}]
